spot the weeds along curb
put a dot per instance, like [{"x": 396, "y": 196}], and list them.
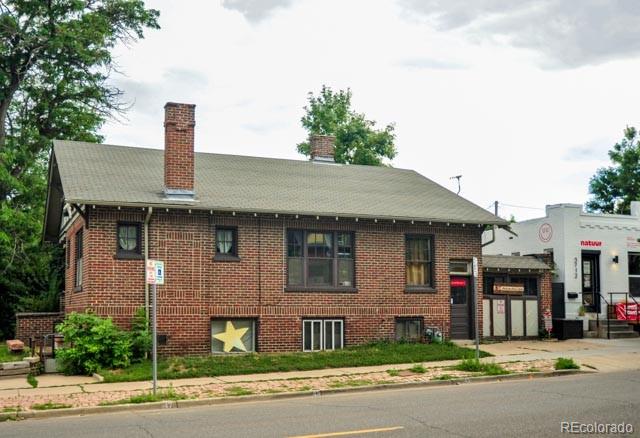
[{"x": 174, "y": 404}]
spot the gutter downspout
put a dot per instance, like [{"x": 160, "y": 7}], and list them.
[{"x": 147, "y": 219}]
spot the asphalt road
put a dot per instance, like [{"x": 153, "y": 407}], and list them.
[{"x": 516, "y": 408}]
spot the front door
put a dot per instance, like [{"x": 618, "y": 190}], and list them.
[
  {"x": 590, "y": 282},
  {"x": 461, "y": 308}
]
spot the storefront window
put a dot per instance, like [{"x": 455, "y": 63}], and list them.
[{"x": 634, "y": 274}]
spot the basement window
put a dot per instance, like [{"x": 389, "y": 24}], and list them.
[
  {"x": 233, "y": 335},
  {"x": 322, "y": 334},
  {"x": 129, "y": 241},
  {"x": 408, "y": 329}
]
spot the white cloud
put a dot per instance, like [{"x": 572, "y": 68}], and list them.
[{"x": 461, "y": 106}]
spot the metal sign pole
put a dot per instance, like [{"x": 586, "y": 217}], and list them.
[
  {"x": 475, "y": 306},
  {"x": 154, "y": 339}
]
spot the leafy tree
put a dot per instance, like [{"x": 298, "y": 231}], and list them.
[
  {"x": 357, "y": 139},
  {"x": 613, "y": 188},
  {"x": 55, "y": 62}
]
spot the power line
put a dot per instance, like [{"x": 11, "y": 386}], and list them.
[{"x": 521, "y": 206}]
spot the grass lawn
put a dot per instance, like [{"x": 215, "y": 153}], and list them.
[
  {"x": 7, "y": 356},
  {"x": 223, "y": 365}
]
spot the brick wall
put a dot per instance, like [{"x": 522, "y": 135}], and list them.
[
  {"x": 199, "y": 288},
  {"x": 35, "y": 325}
]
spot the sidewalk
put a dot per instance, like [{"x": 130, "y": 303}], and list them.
[{"x": 595, "y": 354}]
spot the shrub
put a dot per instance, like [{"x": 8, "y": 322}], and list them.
[
  {"x": 475, "y": 366},
  {"x": 566, "y": 363},
  {"x": 92, "y": 342},
  {"x": 470, "y": 365},
  {"x": 140, "y": 336},
  {"x": 419, "y": 368}
]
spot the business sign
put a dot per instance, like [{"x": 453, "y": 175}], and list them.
[
  {"x": 591, "y": 243},
  {"x": 508, "y": 288},
  {"x": 458, "y": 282},
  {"x": 545, "y": 232},
  {"x": 155, "y": 272},
  {"x": 633, "y": 243}
]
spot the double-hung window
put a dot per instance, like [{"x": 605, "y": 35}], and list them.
[
  {"x": 322, "y": 334},
  {"x": 320, "y": 259},
  {"x": 419, "y": 261},
  {"x": 78, "y": 260},
  {"x": 634, "y": 273}
]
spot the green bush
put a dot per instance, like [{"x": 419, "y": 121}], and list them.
[
  {"x": 92, "y": 342},
  {"x": 566, "y": 363},
  {"x": 140, "y": 336},
  {"x": 475, "y": 366}
]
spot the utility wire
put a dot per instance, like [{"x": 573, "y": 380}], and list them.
[{"x": 521, "y": 206}]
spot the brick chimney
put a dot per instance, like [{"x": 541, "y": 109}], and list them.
[
  {"x": 322, "y": 147},
  {"x": 179, "y": 122}
]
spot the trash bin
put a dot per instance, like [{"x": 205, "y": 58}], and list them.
[{"x": 568, "y": 328}]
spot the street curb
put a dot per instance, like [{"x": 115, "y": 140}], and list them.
[{"x": 174, "y": 404}]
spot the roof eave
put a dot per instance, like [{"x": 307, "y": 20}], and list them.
[{"x": 198, "y": 206}]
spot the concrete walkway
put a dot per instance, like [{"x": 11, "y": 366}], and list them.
[{"x": 598, "y": 354}]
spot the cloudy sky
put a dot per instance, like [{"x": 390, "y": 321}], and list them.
[{"x": 522, "y": 98}]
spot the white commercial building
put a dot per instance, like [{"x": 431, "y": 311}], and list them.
[{"x": 596, "y": 256}]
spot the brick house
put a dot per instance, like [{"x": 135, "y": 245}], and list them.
[{"x": 261, "y": 254}]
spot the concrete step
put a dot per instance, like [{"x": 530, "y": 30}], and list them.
[{"x": 628, "y": 334}]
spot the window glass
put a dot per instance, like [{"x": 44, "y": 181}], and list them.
[
  {"x": 306, "y": 345},
  {"x": 459, "y": 268},
  {"x": 78, "y": 262},
  {"x": 345, "y": 272},
  {"x": 319, "y": 245},
  {"x": 322, "y": 334},
  {"x": 295, "y": 274},
  {"x": 418, "y": 274},
  {"x": 320, "y": 272},
  {"x": 232, "y": 335},
  {"x": 634, "y": 286},
  {"x": 320, "y": 259},
  {"x": 226, "y": 241},
  {"x": 316, "y": 339},
  {"x": 408, "y": 329},
  {"x": 294, "y": 243},
  {"x": 345, "y": 248},
  {"x": 128, "y": 238},
  {"x": 419, "y": 264},
  {"x": 634, "y": 263},
  {"x": 634, "y": 274}
]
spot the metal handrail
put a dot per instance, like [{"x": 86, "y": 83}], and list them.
[
  {"x": 627, "y": 295},
  {"x": 608, "y": 318}
]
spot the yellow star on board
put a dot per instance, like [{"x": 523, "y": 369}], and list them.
[{"x": 232, "y": 337}]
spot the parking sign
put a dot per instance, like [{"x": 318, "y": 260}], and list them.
[{"x": 155, "y": 272}]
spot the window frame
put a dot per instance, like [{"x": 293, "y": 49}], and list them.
[
  {"x": 255, "y": 326},
  {"x": 135, "y": 254},
  {"x": 416, "y": 288},
  {"x": 630, "y": 275},
  {"x": 335, "y": 259},
  {"x": 226, "y": 257},
  {"x": 78, "y": 260},
  {"x": 323, "y": 322},
  {"x": 407, "y": 319}
]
